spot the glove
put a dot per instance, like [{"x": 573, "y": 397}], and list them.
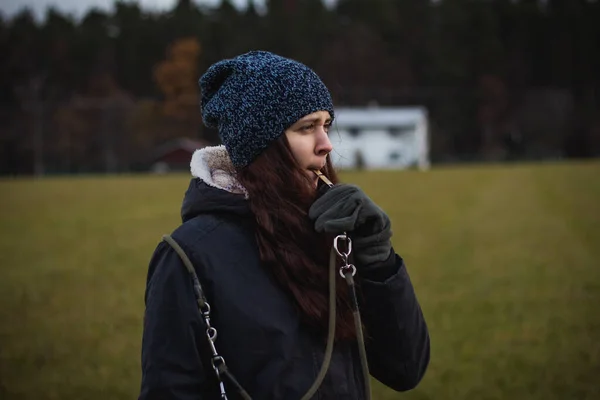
[{"x": 346, "y": 208}]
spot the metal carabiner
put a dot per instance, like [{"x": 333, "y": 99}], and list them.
[
  {"x": 344, "y": 269},
  {"x": 347, "y": 266},
  {"x": 345, "y": 237}
]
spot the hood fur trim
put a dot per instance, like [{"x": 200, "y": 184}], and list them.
[{"x": 213, "y": 166}]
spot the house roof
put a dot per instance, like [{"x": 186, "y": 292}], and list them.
[
  {"x": 187, "y": 144},
  {"x": 378, "y": 116}
]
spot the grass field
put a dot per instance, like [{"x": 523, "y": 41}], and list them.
[{"x": 505, "y": 261}]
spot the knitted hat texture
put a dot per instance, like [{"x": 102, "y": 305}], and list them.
[{"x": 253, "y": 98}]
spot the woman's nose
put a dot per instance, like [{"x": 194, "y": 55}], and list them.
[{"x": 323, "y": 146}]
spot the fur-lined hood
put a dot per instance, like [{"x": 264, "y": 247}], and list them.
[
  {"x": 214, "y": 187},
  {"x": 214, "y": 167}
]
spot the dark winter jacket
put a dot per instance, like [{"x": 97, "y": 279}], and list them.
[{"x": 260, "y": 334}]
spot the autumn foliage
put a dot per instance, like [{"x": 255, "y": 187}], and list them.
[{"x": 177, "y": 76}]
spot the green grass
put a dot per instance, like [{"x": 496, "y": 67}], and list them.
[{"x": 505, "y": 261}]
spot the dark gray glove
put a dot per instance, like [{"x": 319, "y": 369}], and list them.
[{"x": 346, "y": 208}]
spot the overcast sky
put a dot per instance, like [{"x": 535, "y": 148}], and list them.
[{"x": 79, "y": 7}]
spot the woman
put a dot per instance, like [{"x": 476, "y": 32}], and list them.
[{"x": 258, "y": 230}]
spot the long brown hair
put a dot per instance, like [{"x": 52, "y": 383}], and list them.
[{"x": 280, "y": 194}]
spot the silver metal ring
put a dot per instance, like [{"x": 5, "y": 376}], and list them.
[
  {"x": 212, "y": 333},
  {"x": 348, "y": 243},
  {"x": 206, "y": 309},
  {"x": 214, "y": 360},
  {"x": 346, "y": 268}
]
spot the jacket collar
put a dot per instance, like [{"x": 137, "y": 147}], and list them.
[{"x": 213, "y": 166}]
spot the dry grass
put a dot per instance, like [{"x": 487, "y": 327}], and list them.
[{"x": 504, "y": 259}]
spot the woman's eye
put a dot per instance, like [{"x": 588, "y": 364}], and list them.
[
  {"x": 307, "y": 127},
  {"x": 327, "y": 126}
]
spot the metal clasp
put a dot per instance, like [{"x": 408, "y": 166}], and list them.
[
  {"x": 347, "y": 267},
  {"x": 348, "y": 245}
]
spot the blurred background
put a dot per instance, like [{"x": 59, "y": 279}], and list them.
[
  {"x": 497, "y": 100},
  {"x": 91, "y": 86}
]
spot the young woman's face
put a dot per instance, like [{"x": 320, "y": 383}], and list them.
[{"x": 309, "y": 141}]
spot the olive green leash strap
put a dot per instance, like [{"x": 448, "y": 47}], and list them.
[
  {"x": 217, "y": 361},
  {"x": 331, "y": 330},
  {"x": 200, "y": 298},
  {"x": 359, "y": 335},
  {"x": 347, "y": 271}
]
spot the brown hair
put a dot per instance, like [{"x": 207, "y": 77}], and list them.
[{"x": 280, "y": 194}]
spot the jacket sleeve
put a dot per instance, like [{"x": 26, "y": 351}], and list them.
[
  {"x": 396, "y": 335},
  {"x": 171, "y": 365}
]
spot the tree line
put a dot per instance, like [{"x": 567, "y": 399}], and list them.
[{"x": 501, "y": 79}]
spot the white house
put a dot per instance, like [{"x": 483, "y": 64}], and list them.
[{"x": 380, "y": 138}]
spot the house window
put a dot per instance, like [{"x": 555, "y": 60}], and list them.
[
  {"x": 394, "y": 156},
  {"x": 396, "y": 131},
  {"x": 354, "y": 132}
]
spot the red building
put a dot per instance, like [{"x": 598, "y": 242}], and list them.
[{"x": 175, "y": 155}]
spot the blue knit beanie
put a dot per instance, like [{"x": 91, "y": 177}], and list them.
[{"x": 253, "y": 98}]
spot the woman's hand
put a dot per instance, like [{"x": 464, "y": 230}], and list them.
[{"x": 346, "y": 208}]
